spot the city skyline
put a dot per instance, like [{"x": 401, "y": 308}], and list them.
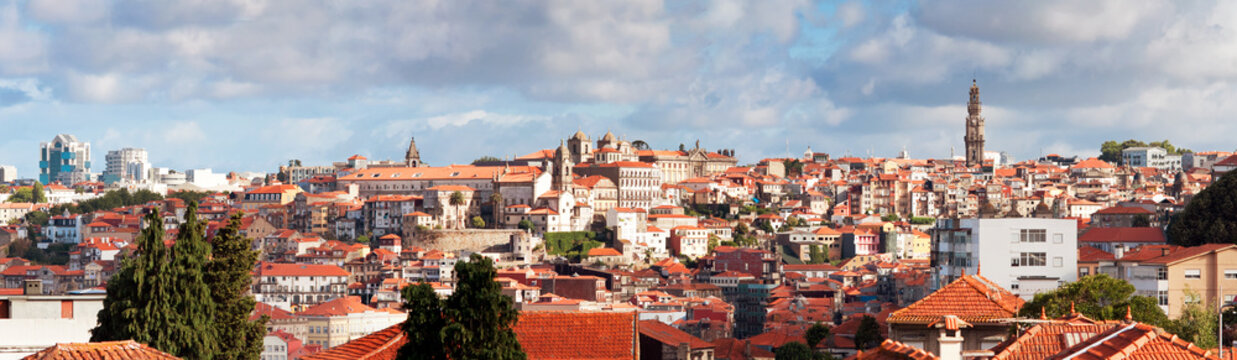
[{"x": 863, "y": 78}]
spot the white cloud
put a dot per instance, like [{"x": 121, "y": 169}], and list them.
[{"x": 183, "y": 132}]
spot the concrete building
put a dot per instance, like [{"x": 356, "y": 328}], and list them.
[
  {"x": 1176, "y": 276},
  {"x": 128, "y": 164},
  {"x": 64, "y": 159},
  {"x": 30, "y": 321},
  {"x": 8, "y": 174},
  {"x": 1150, "y": 156},
  {"x": 1024, "y": 255}
]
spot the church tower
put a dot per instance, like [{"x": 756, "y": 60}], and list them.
[
  {"x": 562, "y": 179},
  {"x": 974, "y": 129},
  {"x": 412, "y": 158}
]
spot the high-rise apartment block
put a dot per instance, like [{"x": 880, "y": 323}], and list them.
[
  {"x": 64, "y": 159},
  {"x": 8, "y": 173},
  {"x": 128, "y": 164}
]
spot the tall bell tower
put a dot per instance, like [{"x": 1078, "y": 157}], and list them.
[{"x": 974, "y": 129}]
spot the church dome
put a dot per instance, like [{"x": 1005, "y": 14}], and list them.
[
  {"x": 580, "y": 136},
  {"x": 608, "y": 137}
]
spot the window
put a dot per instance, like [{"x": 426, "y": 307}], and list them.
[
  {"x": 1032, "y": 259},
  {"x": 1192, "y": 298},
  {"x": 1084, "y": 271},
  {"x": 1057, "y": 262},
  {"x": 1193, "y": 274},
  {"x": 1162, "y": 295},
  {"x": 1034, "y": 235},
  {"x": 1230, "y": 274},
  {"x": 1058, "y": 238},
  {"x": 1161, "y": 273}
]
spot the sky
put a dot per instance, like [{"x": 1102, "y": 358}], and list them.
[{"x": 246, "y": 85}]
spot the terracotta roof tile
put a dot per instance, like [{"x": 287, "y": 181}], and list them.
[
  {"x": 668, "y": 335},
  {"x": 110, "y": 350},
  {"x": 893, "y": 350},
  {"x": 1123, "y": 234},
  {"x": 1135, "y": 341},
  {"x": 972, "y": 298}
]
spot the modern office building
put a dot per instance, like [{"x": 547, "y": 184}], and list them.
[
  {"x": 8, "y": 173},
  {"x": 128, "y": 165},
  {"x": 1155, "y": 157},
  {"x": 1024, "y": 255},
  {"x": 64, "y": 159}
]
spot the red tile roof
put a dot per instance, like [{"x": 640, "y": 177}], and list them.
[
  {"x": 1092, "y": 254},
  {"x": 668, "y": 335},
  {"x": 338, "y": 307},
  {"x": 734, "y": 349},
  {"x": 972, "y": 298},
  {"x": 893, "y": 350},
  {"x": 542, "y": 335},
  {"x": 604, "y": 252},
  {"x": 1047, "y": 339},
  {"x": 273, "y": 269},
  {"x": 1135, "y": 341},
  {"x": 1123, "y": 234},
  {"x": 110, "y": 350}
]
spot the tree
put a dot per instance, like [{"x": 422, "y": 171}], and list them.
[
  {"x": 478, "y": 222},
  {"x": 188, "y": 196},
  {"x": 139, "y": 302},
  {"x": 640, "y": 145},
  {"x": 473, "y": 323},
  {"x": 457, "y": 198},
  {"x": 424, "y": 325},
  {"x": 228, "y": 274},
  {"x": 869, "y": 334},
  {"x": 815, "y": 255},
  {"x": 486, "y": 158},
  {"x": 37, "y": 195},
  {"x": 815, "y": 334},
  {"x": 1098, "y": 297},
  {"x": 714, "y": 241},
  {"x": 194, "y": 307},
  {"x": 1211, "y": 217},
  {"x": 364, "y": 239},
  {"x": 527, "y": 225},
  {"x": 793, "y": 350},
  {"x": 38, "y": 218},
  {"x": 1196, "y": 324},
  {"x": 496, "y": 199},
  {"x": 794, "y": 167}
]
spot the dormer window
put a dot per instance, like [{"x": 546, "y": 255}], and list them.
[{"x": 454, "y": 174}]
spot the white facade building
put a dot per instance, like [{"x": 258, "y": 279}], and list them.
[
  {"x": 8, "y": 173},
  {"x": 1155, "y": 157},
  {"x": 128, "y": 164},
  {"x": 1024, "y": 255},
  {"x": 35, "y": 322}
]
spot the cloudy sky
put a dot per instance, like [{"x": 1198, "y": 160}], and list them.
[{"x": 249, "y": 84}]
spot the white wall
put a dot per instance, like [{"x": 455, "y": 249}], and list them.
[
  {"x": 36, "y": 324},
  {"x": 998, "y": 241}
]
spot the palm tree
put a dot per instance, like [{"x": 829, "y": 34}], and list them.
[
  {"x": 457, "y": 198},
  {"x": 497, "y": 199}
]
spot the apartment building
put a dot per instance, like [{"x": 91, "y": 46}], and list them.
[
  {"x": 1025, "y": 255},
  {"x": 1176, "y": 276}
]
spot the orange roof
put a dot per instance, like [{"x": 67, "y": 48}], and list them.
[
  {"x": 1093, "y": 254},
  {"x": 670, "y": 336},
  {"x": 117, "y": 350},
  {"x": 383, "y": 344},
  {"x": 434, "y": 173},
  {"x": 1044, "y": 340},
  {"x": 893, "y": 350},
  {"x": 1092, "y": 163},
  {"x": 972, "y": 298},
  {"x": 273, "y": 269},
  {"x": 451, "y": 188},
  {"x": 1123, "y": 234},
  {"x": 603, "y": 252},
  {"x": 1135, "y": 341},
  {"x": 338, "y": 307},
  {"x": 1124, "y": 210}
]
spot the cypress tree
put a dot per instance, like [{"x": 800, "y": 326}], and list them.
[
  {"x": 193, "y": 332},
  {"x": 139, "y": 303},
  {"x": 473, "y": 323},
  {"x": 228, "y": 275}
]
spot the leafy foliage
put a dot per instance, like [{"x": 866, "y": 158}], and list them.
[
  {"x": 194, "y": 309},
  {"x": 473, "y": 323},
  {"x": 527, "y": 226},
  {"x": 1211, "y": 217},
  {"x": 486, "y": 158},
  {"x": 793, "y": 351},
  {"x": 574, "y": 244},
  {"x": 477, "y": 222},
  {"x": 228, "y": 274},
  {"x": 1110, "y": 150},
  {"x": 188, "y": 196},
  {"x": 109, "y": 200},
  {"x": 37, "y": 195},
  {"x": 1196, "y": 324},
  {"x": 922, "y": 220},
  {"x": 457, "y": 198},
  {"x": 868, "y": 335},
  {"x": 1099, "y": 297},
  {"x": 815, "y": 334},
  {"x": 816, "y": 255}
]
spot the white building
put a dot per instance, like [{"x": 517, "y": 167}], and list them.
[
  {"x": 8, "y": 174},
  {"x": 128, "y": 164},
  {"x": 35, "y": 322},
  {"x": 287, "y": 285},
  {"x": 1155, "y": 157},
  {"x": 206, "y": 179},
  {"x": 1024, "y": 255}
]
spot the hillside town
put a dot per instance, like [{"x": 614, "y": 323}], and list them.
[{"x": 688, "y": 253}]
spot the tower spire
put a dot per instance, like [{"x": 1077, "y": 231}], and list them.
[{"x": 974, "y": 128}]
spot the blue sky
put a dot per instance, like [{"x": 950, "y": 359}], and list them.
[{"x": 248, "y": 84}]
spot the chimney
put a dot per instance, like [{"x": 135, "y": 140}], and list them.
[
  {"x": 1164, "y": 251},
  {"x": 33, "y": 287},
  {"x": 1118, "y": 251},
  {"x": 950, "y": 338},
  {"x": 684, "y": 351}
]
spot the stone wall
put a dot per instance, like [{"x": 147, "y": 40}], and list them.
[{"x": 467, "y": 239}]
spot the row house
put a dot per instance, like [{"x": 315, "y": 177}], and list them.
[{"x": 290, "y": 286}]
